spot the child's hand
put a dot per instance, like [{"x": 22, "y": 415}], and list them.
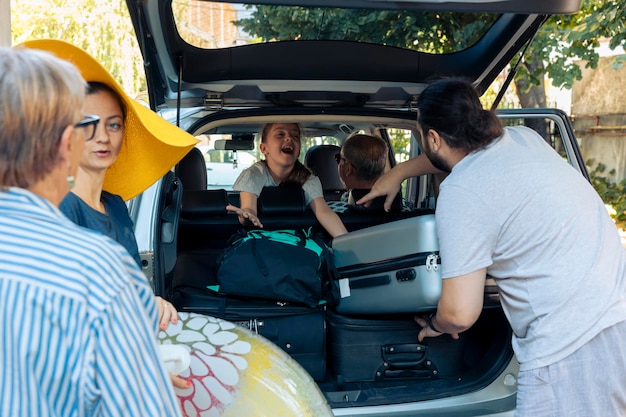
[{"x": 244, "y": 216}]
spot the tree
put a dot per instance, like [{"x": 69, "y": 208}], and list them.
[
  {"x": 561, "y": 40},
  {"x": 421, "y": 31},
  {"x": 103, "y": 29}
]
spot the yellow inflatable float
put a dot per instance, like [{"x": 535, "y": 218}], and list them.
[{"x": 236, "y": 373}]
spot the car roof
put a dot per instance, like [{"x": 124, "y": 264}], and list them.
[{"x": 326, "y": 72}]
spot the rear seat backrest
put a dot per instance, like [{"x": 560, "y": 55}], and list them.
[
  {"x": 191, "y": 171},
  {"x": 203, "y": 203},
  {"x": 281, "y": 200},
  {"x": 284, "y": 207},
  {"x": 320, "y": 159}
]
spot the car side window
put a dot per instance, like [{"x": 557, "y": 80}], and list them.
[{"x": 554, "y": 127}]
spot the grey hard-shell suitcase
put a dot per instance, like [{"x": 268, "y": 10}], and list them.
[{"x": 389, "y": 268}]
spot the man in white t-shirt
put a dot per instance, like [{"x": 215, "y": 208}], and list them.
[{"x": 513, "y": 209}]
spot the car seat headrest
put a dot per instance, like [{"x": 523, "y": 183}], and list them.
[
  {"x": 191, "y": 171},
  {"x": 320, "y": 159},
  {"x": 283, "y": 199},
  {"x": 203, "y": 203}
]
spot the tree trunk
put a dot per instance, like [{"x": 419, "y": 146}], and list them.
[{"x": 533, "y": 96}]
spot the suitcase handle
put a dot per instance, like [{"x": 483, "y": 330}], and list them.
[
  {"x": 408, "y": 373},
  {"x": 370, "y": 282},
  {"x": 406, "y": 355}
]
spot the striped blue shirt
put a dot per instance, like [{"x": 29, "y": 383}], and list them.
[{"x": 78, "y": 320}]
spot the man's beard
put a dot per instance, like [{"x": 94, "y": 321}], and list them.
[{"x": 437, "y": 161}]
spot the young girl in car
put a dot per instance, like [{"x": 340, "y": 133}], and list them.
[{"x": 280, "y": 144}]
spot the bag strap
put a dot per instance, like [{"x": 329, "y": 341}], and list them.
[
  {"x": 330, "y": 286},
  {"x": 235, "y": 239},
  {"x": 258, "y": 258}
]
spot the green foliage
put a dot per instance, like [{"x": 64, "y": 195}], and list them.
[
  {"x": 564, "y": 39},
  {"x": 613, "y": 194},
  {"x": 400, "y": 142},
  {"x": 103, "y": 29},
  {"x": 428, "y": 32}
]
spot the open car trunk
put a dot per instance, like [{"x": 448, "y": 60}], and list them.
[
  {"x": 357, "y": 359},
  {"x": 362, "y": 352}
]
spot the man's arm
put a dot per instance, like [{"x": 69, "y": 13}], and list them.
[
  {"x": 460, "y": 304},
  {"x": 389, "y": 184}
]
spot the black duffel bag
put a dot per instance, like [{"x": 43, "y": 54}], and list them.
[{"x": 284, "y": 265}]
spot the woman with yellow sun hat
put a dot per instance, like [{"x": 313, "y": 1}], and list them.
[{"x": 131, "y": 148}]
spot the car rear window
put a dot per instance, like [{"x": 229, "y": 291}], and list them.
[{"x": 212, "y": 25}]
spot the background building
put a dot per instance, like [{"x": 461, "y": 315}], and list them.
[{"x": 598, "y": 110}]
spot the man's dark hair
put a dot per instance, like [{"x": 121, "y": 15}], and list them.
[{"x": 453, "y": 109}]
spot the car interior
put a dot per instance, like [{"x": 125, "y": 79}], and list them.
[
  {"x": 341, "y": 338},
  {"x": 343, "y": 70}
]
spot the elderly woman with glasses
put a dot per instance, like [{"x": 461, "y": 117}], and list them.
[{"x": 63, "y": 288}]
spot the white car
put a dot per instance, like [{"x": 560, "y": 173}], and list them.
[{"x": 336, "y": 68}]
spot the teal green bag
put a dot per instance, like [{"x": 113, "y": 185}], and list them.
[{"x": 285, "y": 265}]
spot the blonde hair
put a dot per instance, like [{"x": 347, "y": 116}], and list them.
[{"x": 40, "y": 96}]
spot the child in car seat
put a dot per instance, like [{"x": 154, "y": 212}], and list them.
[{"x": 280, "y": 143}]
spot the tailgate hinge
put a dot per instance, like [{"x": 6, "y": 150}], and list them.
[{"x": 213, "y": 101}]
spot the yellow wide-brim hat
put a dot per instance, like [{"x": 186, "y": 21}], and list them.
[{"x": 152, "y": 145}]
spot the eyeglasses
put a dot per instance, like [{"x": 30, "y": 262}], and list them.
[
  {"x": 89, "y": 124},
  {"x": 339, "y": 158}
]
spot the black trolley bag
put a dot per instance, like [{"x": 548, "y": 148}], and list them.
[
  {"x": 385, "y": 348},
  {"x": 298, "y": 329}
]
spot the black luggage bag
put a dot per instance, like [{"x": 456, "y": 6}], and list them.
[
  {"x": 297, "y": 329},
  {"x": 386, "y": 348}
]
